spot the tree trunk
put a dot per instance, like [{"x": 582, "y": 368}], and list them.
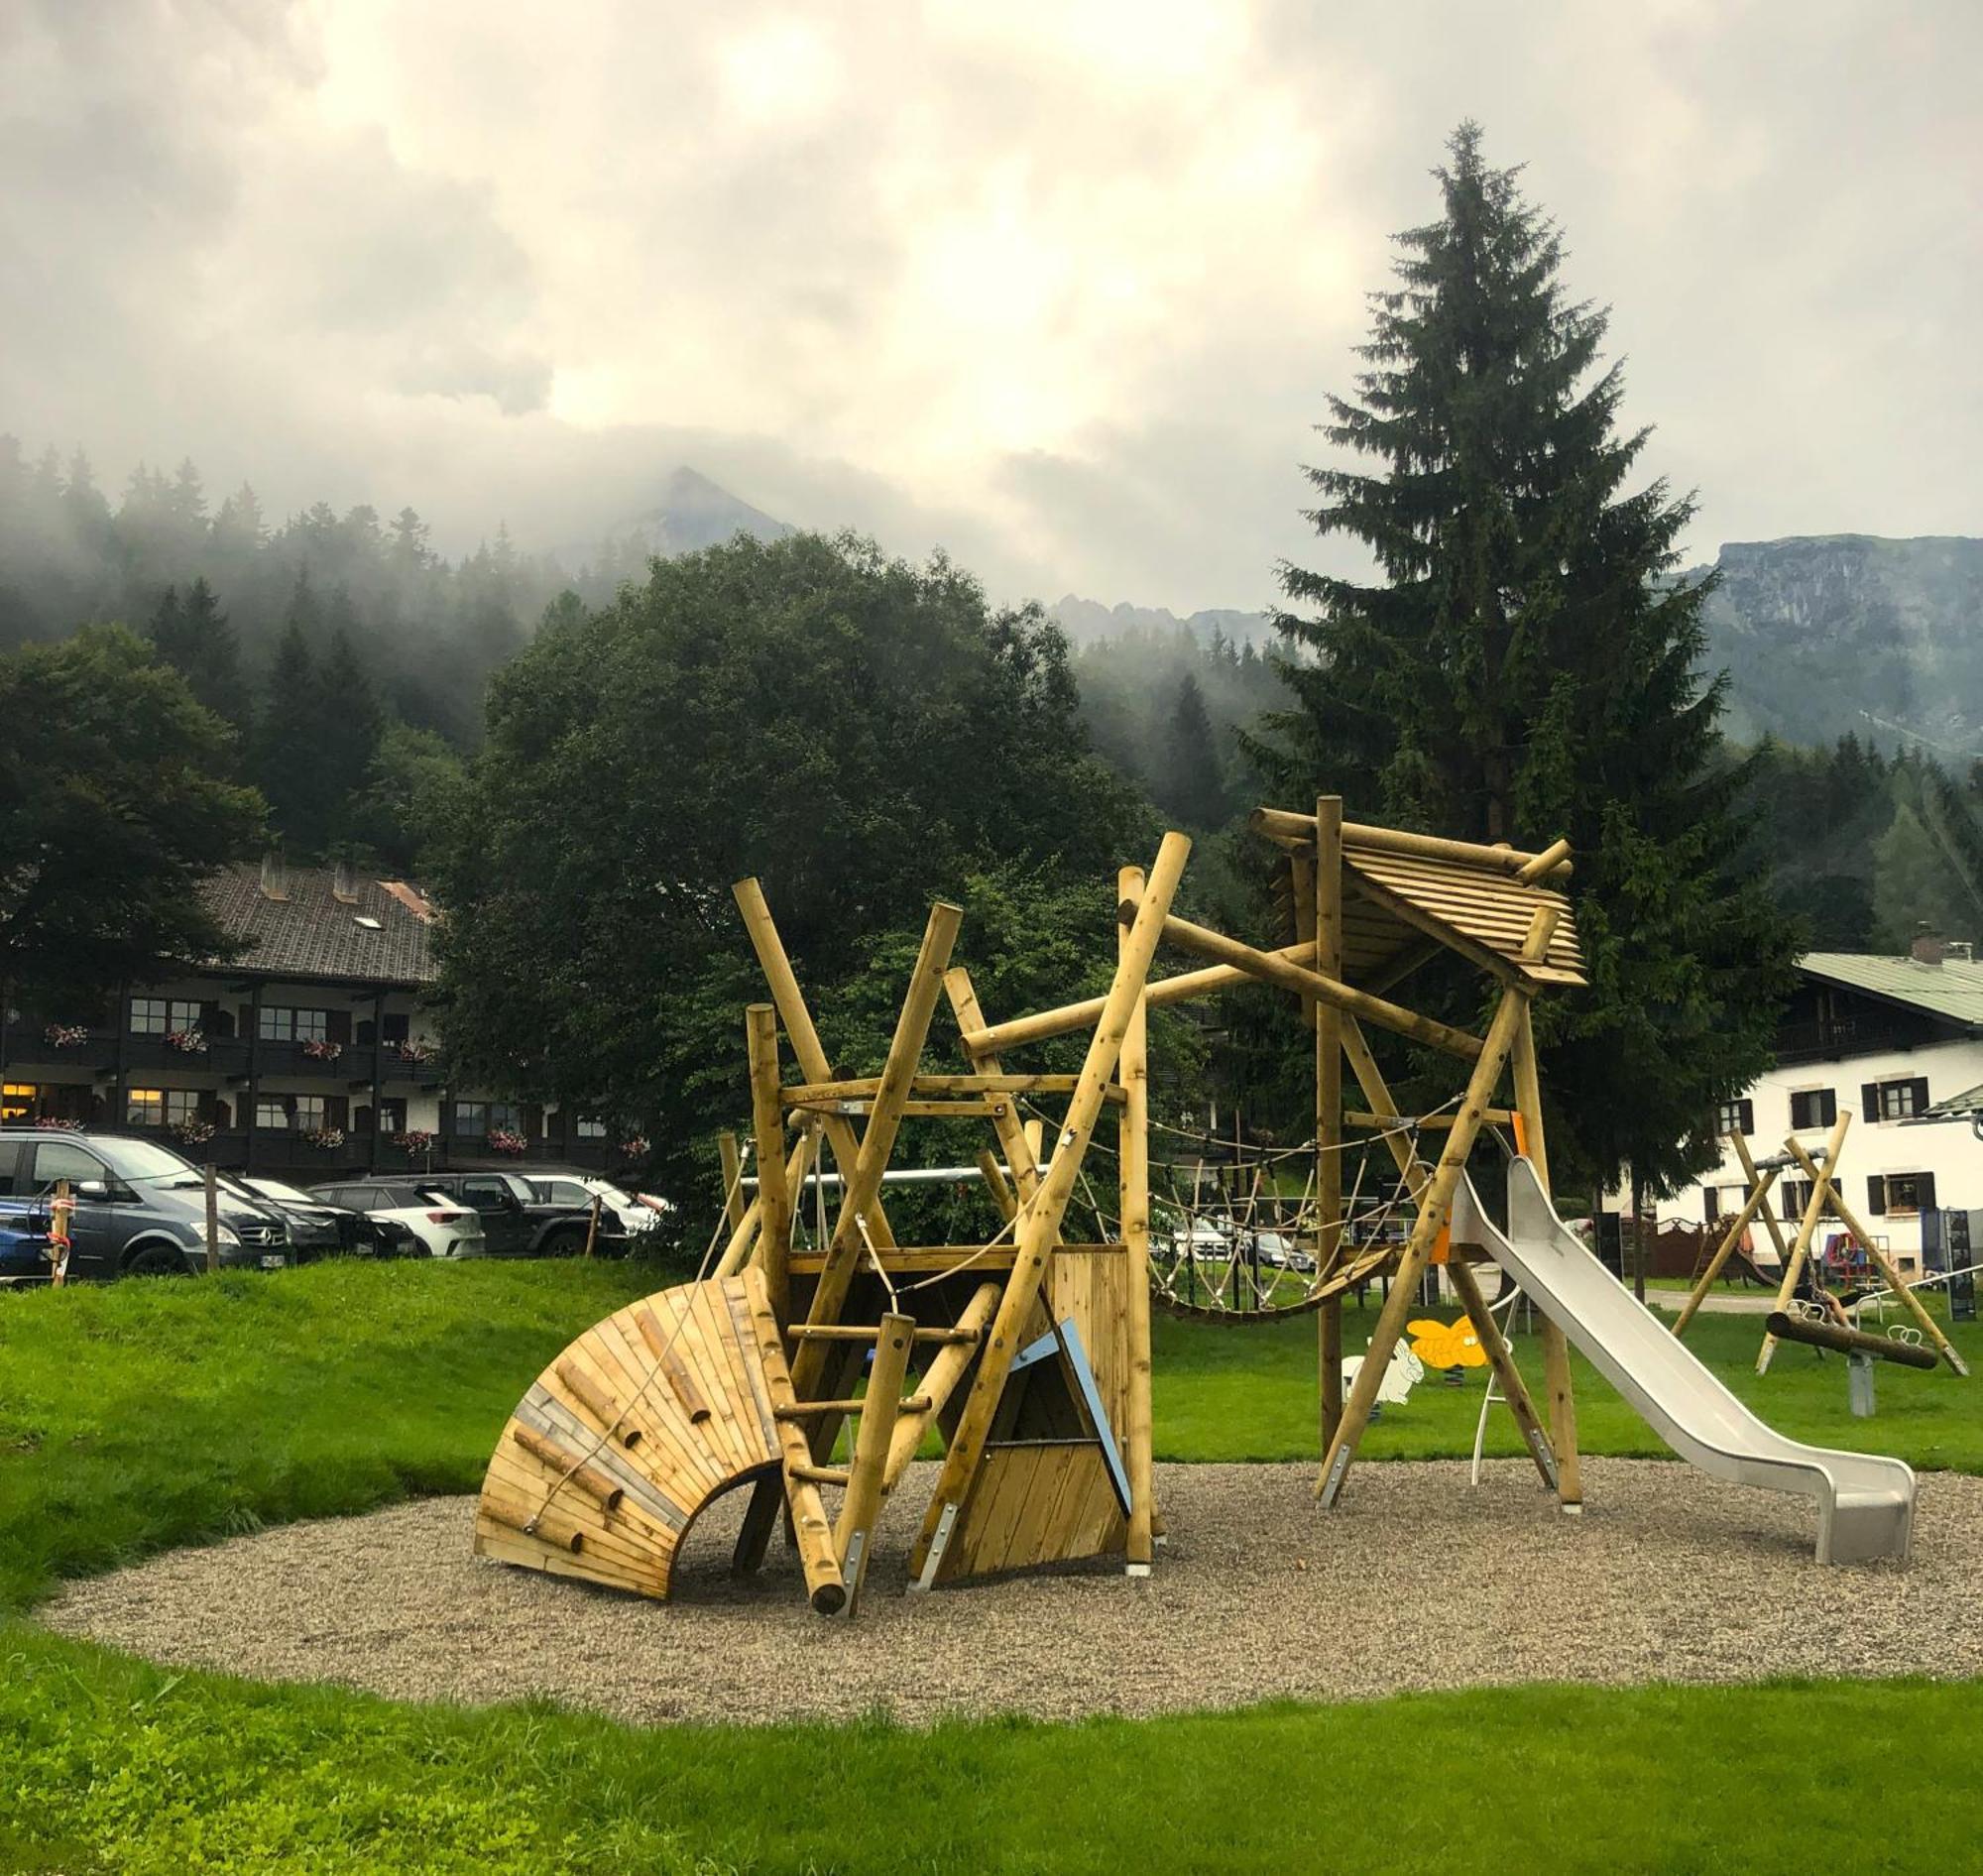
[{"x": 1638, "y": 1237}]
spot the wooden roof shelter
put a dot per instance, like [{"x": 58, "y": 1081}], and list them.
[{"x": 1026, "y": 1355}]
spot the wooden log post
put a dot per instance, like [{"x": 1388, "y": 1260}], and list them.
[
  {"x": 592, "y": 1224},
  {"x": 211, "y": 1178},
  {"x": 1886, "y": 1267},
  {"x": 812, "y": 1535},
  {"x": 1132, "y": 1150},
  {"x": 867, "y": 1473},
  {"x": 1769, "y": 1217},
  {"x": 1435, "y": 1207},
  {"x": 807, "y": 1049},
  {"x": 855, "y": 1223},
  {"x": 743, "y": 1243},
  {"x": 1757, "y": 1201},
  {"x": 731, "y": 1160},
  {"x": 1820, "y": 1191},
  {"x": 1557, "y": 1382},
  {"x": 1005, "y": 1121},
  {"x": 62, "y": 1213},
  {"x": 1514, "y": 1390},
  {"x": 1329, "y": 1222},
  {"x": 767, "y": 1122},
  {"x": 1040, "y": 1224}
]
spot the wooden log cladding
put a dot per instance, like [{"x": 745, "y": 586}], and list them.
[
  {"x": 597, "y": 1402},
  {"x": 570, "y": 1467},
  {"x": 1290, "y": 829},
  {"x": 1271, "y": 969},
  {"x": 1159, "y": 992},
  {"x": 1909, "y": 1355}
]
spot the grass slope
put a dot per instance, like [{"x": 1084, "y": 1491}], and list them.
[
  {"x": 150, "y": 1415},
  {"x": 118, "y": 1766}
]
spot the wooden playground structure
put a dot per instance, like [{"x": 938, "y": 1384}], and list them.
[
  {"x": 1806, "y": 1310},
  {"x": 1027, "y": 1357}
]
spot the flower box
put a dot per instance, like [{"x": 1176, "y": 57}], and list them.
[
  {"x": 186, "y": 1041},
  {"x": 502, "y": 1141},
  {"x": 64, "y": 1035}
]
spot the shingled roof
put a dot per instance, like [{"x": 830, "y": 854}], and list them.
[{"x": 309, "y": 932}]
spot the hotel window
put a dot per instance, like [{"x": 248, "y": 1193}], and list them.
[
  {"x": 589, "y": 1130},
  {"x": 1734, "y": 1117},
  {"x": 1814, "y": 1108},
  {"x": 144, "y": 1107},
  {"x": 310, "y": 1113},
  {"x": 488, "y": 1117},
  {"x": 156, "y": 1015},
  {"x": 1895, "y": 1099},
  {"x": 279, "y": 1023},
  {"x": 17, "y": 1102},
  {"x": 271, "y": 1114},
  {"x": 182, "y": 1106},
  {"x": 1900, "y": 1195}
]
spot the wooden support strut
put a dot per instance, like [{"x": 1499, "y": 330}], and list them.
[
  {"x": 807, "y": 1049},
  {"x": 1434, "y": 1209},
  {"x": 1273, "y": 969},
  {"x": 1758, "y": 1200},
  {"x": 940, "y": 1378},
  {"x": 1885, "y": 1265},
  {"x": 1820, "y": 1191},
  {"x": 775, "y": 1227},
  {"x": 1485, "y": 1329},
  {"x": 1132, "y": 1159},
  {"x": 1325, "y": 878},
  {"x": 866, "y": 1482},
  {"x": 1006, "y": 1125},
  {"x": 1040, "y": 1222},
  {"x": 1297, "y": 830}
]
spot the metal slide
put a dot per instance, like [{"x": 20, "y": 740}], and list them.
[{"x": 1865, "y": 1504}]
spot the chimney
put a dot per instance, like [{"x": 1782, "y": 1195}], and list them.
[
  {"x": 344, "y": 882},
  {"x": 275, "y": 876},
  {"x": 1929, "y": 950}
]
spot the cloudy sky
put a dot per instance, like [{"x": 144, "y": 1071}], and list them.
[{"x": 1058, "y": 285}]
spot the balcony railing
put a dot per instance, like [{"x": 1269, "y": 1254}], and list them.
[
  {"x": 1827, "y": 1041},
  {"x": 28, "y": 1045},
  {"x": 216, "y": 1055},
  {"x": 331, "y": 1061}
]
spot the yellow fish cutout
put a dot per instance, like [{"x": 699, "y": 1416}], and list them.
[{"x": 1446, "y": 1345}]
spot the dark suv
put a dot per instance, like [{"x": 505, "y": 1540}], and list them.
[
  {"x": 516, "y": 1221},
  {"x": 139, "y": 1210}
]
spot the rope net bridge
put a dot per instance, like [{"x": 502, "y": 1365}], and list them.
[{"x": 816, "y": 1354}]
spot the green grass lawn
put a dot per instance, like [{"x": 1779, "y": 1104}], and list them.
[{"x": 144, "y": 1416}]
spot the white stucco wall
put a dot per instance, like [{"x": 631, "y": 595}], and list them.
[{"x": 1948, "y": 1149}]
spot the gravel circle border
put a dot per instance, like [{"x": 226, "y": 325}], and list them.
[{"x": 1417, "y": 1581}]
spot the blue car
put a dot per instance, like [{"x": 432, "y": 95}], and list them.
[{"x": 24, "y": 1240}]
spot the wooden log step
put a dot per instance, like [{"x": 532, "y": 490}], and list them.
[
  {"x": 812, "y": 1409},
  {"x": 853, "y": 1331},
  {"x": 553, "y": 1526},
  {"x": 1909, "y": 1354},
  {"x": 596, "y": 1401},
  {"x": 818, "y": 1474},
  {"x": 569, "y": 1466}
]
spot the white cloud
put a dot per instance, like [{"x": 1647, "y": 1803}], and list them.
[{"x": 1061, "y": 285}]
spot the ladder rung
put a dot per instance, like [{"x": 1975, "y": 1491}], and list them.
[
  {"x": 852, "y": 1332},
  {"x": 811, "y": 1409},
  {"x": 819, "y": 1474}
]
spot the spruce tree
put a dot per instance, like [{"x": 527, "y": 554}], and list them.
[
  {"x": 1527, "y": 667},
  {"x": 288, "y": 740},
  {"x": 192, "y": 635},
  {"x": 1189, "y": 781}
]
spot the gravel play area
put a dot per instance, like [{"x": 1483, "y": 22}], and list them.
[{"x": 1418, "y": 1581}]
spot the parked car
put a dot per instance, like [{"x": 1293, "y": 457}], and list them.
[
  {"x": 628, "y": 1214},
  {"x": 516, "y": 1221},
  {"x": 320, "y": 1226},
  {"x": 24, "y": 1240},
  {"x": 437, "y": 1226},
  {"x": 140, "y": 1208}
]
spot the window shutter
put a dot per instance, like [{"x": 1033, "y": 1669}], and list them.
[
  {"x": 336, "y": 1110},
  {"x": 1920, "y": 1094},
  {"x": 1869, "y": 1097},
  {"x": 1827, "y": 1107},
  {"x": 1876, "y": 1195},
  {"x": 1924, "y": 1190},
  {"x": 337, "y": 1026},
  {"x": 534, "y": 1123},
  {"x": 1711, "y": 1203},
  {"x": 1748, "y": 1117},
  {"x": 1791, "y": 1208}
]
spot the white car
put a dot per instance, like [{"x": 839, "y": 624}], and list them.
[
  {"x": 628, "y": 1214},
  {"x": 443, "y": 1226}
]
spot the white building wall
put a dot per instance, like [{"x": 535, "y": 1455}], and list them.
[{"x": 1949, "y": 1149}]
